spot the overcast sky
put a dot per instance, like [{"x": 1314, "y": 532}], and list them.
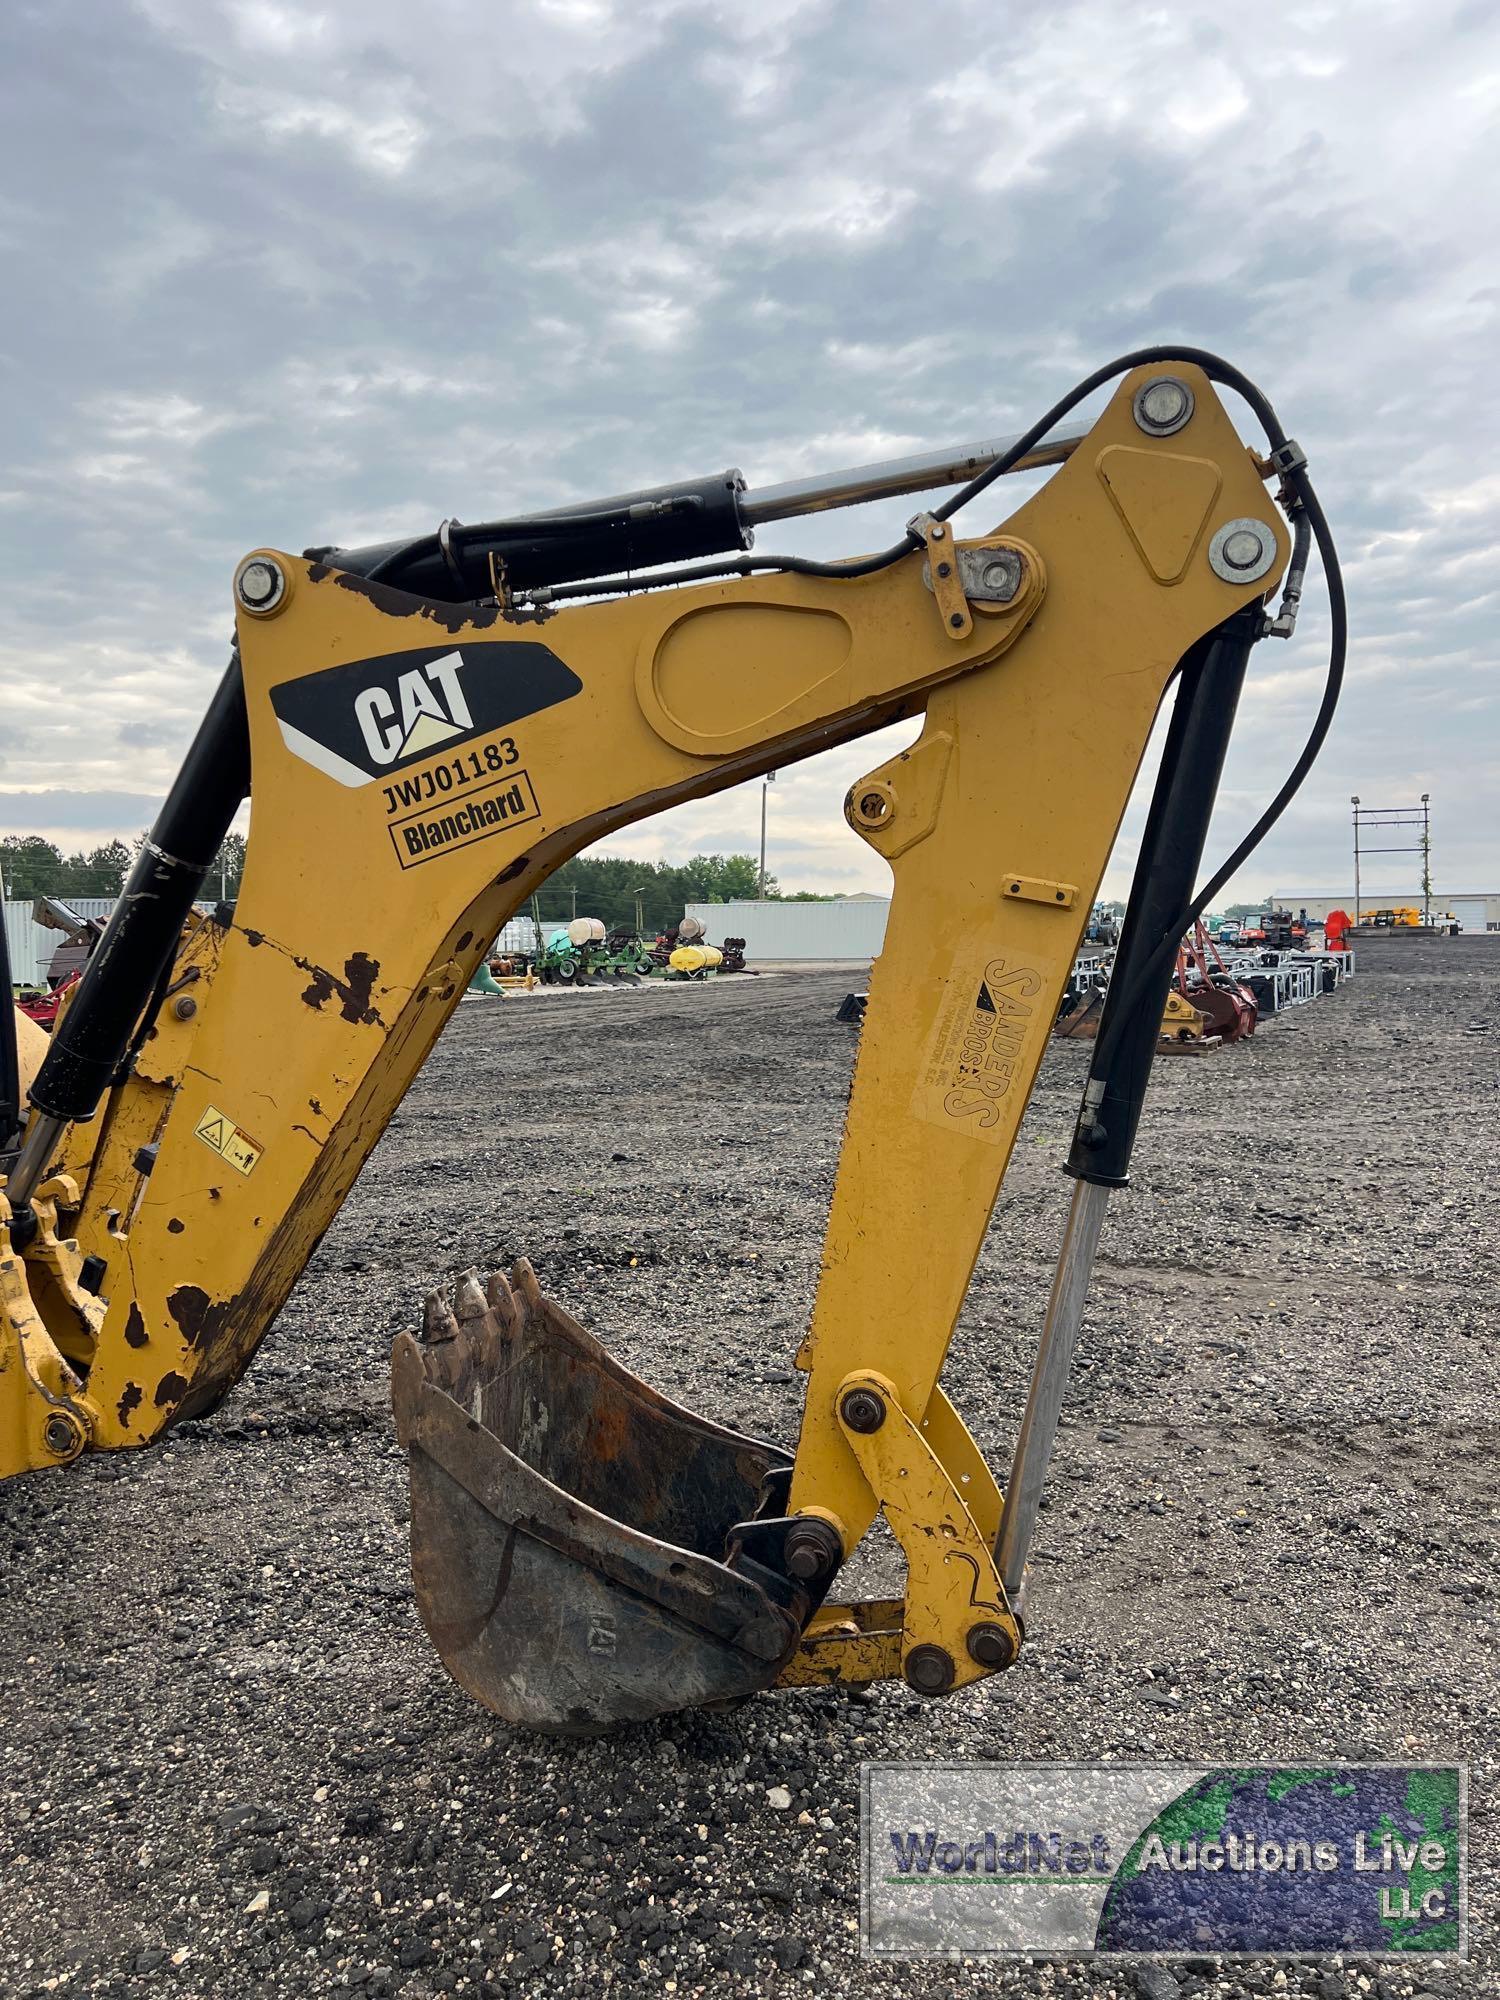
[{"x": 289, "y": 274}]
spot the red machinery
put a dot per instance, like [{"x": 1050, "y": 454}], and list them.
[
  {"x": 42, "y": 1007},
  {"x": 1229, "y": 1004}
]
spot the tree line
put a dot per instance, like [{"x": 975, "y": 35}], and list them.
[
  {"x": 591, "y": 885},
  {"x": 606, "y": 886},
  {"x": 32, "y": 867},
  {"x": 651, "y": 894}
]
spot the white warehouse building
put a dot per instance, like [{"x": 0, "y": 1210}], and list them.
[
  {"x": 851, "y": 927},
  {"x": 32, "y": 944},
  {"x": 1477, "y": 910}
]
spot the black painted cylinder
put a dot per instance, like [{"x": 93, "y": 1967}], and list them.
[
  {"x": 142, "y": 933},
  {"x": 1208, "y": 692},
  {"x": 627, "y": 532},
  {"x": 10, "y": 1060}
]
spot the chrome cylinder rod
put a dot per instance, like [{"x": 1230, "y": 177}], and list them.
[
  {"x": 42, "y": 1135},
  {"x": 890, "y": 477},
  {"x": 1049, "y": 1383}
]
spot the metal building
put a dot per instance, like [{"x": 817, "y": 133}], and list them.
[
  {"x": 21, "y": 943},
  {"x": 521, "y": 934},
  {"x": 850, "y": 928},
  {"x": 1476, "y": 911},
  {"x": 32, "y": 945}
]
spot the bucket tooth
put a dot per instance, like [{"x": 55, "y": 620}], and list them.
[
  {"x": 501, "y": 1299},
  {"x": 438, "y": 1324},
  {"x": 469, "y": 1298},
  {"x": 524, "y": 1281},
  {"x": 570, "y": 1524}
]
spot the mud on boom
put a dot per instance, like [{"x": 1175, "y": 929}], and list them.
[{"x": 438, "y": 724}]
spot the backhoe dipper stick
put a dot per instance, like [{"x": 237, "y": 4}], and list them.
[{"x": 1171, "y": 851}]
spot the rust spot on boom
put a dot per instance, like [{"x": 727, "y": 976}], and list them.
[
  {"x": 170, "y": 1391},
  {"x": 353, "y": 990},
  {"x": 189, "y": 1306}
]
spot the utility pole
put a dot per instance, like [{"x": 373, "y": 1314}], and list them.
[
  {"x": 765, "y": 787},
  {"x": 1426, "y": 863},
  {"x": 1386, "y": 820}
]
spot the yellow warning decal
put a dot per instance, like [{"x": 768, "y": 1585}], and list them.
[{"x": 228, "y": 1140}]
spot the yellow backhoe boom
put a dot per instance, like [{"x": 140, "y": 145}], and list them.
[{"x": 436, "y": 757}]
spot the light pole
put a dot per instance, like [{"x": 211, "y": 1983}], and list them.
[
  {"x": 1354, "y": 801},
  {"x": 765, "y": 787}
]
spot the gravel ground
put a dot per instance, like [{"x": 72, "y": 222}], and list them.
[{"x": 234, "y": 1766}]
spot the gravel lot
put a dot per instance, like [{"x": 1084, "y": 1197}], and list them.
[{"x": 234, "y": 1766}]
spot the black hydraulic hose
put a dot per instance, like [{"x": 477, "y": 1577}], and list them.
[
  {"x": 1217, "y": 369},
  {"x": 1213, "y": 365},
  {"x": 619, "y": 586},
  {"x": 1150, "y": 970},
  {"x": 1306, "y": 513},
  {"x": 1297, "y": 493}
]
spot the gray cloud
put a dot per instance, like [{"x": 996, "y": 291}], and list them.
[
  {"x": 290, "y": 276},
  {"x": 83, "y": 816}
]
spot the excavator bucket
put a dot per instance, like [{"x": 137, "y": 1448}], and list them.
[
  {"x": 1081, "y": 1022},
  {"x": 572, "y": 1530},
  {"x": 1229, "y": 1013}
]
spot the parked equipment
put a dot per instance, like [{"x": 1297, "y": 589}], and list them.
[
  {"x": 484, "y": 981},
  {"x": 687, "y": 954},
  {"x": 80, "y": 936},
  {"x": 1180, "y": 1022},
  {"x": 694, "y": 961},
  {"x": 582, "y": 953},
  {"x": 1277, "y": 930},
  {"x": 439, "y": 725},
  {"x": 1202, "y": 977},
  {"x": 43, "y": 1004}
]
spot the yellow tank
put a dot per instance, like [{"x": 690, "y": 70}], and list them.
[{"x": 692, "y": 958}]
